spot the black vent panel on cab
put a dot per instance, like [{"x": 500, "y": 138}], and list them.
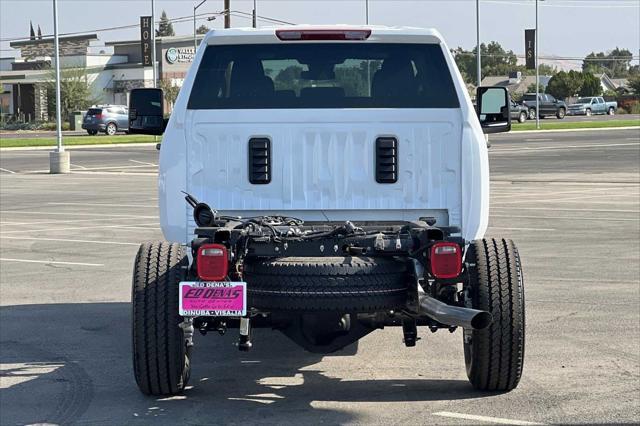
[
  {"x": 386, "y": 160},
  {"x": 259, "y": 160}
]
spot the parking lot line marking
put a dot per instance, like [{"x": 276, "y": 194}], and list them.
[
  {"x": 77, "y": 165},
  {"x": 565, "y": 210},
  {"x": 522, "y": 229},
  {"x": 546, "y": 194},
  {"x": 52, "y": 262},
  {"x": 77, "y": 214},
  {"x": 142, "y": 162},
  {"x": 538, "y": 140},
  {"x": 7, "y": 170},
  {"x": 598, "y": 219},
  {"x": 494, "y": 420},
  {"x": 97, "y": 168},
  {"x": 99, "y": 204},
  {"x": 554, "y": 147},
  {"x": 83, "y": 172},
  {"x": 46, "y": 222},
  {"x": 68, "y": 240},
  {"x": 76, "y": 228}
]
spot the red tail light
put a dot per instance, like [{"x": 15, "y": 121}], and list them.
[
  {"x": 328, "y": 34},
  {"x": 98, "y": 116},
  {"x": 446, "y": 260},
  {"x": 213, "y": 262}
]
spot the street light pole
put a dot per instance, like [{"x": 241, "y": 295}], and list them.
[
  {"x": 59, "y": 160},
  {"x": 366, "y": 7},
  {"x": 537, "y": 76},
  {"x": 478, "y": 59},
  {"x": 195, "y": 38},
  {"x": 153, "y": 43}
]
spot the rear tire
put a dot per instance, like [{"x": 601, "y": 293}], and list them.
[
  {"x": 494, "y": 356},
  {"x": 161, "y": 357},
  {"x": 561, "y": 113},
  {"x": 343, "y": 284},
  {"x": 92, "y": 132},
  {"x": 611, "y": 111}
]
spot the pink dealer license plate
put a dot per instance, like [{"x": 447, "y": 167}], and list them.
[{"x": 220, "y": 299}]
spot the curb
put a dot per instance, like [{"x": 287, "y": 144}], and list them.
[{"x": 71, "y": 147}]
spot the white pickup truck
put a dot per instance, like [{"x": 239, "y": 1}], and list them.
[{"x": 336, "y": 182}]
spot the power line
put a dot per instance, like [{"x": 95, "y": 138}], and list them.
[{"x": 200, "y": 17}]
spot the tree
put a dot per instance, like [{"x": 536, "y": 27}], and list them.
[
  {"x": 39, "y": 33},
  {"x": 532, "y": 88},
  {"x": 590, "y": 85},
  {"x": 565, "y": 84},
  {"x": 75, "y": 91},
  {"x": 32, "y": 33},
  {"x": 634, "y": 84},
  {"x": 202, "y": 29},
  {"x": 495, "y": 61},
  {"x": 170, "y": 90},
  {"x": 615, "y": 64},
  {"x": 165, "y": 28}
]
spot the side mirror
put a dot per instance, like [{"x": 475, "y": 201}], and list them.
[
  {"x": 493, "y": 109},
  {"x": 146, "y": 112}
]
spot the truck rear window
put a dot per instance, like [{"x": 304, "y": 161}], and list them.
[{"x": 323, "y": 75}]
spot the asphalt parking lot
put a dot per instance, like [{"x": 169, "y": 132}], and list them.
[{"x": 571, "y": 201}]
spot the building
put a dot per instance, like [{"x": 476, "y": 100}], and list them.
[
  {"x": 516, "y": 82},
  {"x": 112, "y": 69}
]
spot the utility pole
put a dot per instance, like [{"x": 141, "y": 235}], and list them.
[
  {"x": 195, "y": 35},
  {"x": 478, "y": 53},
  {"x": 255, "y": 15},
  {"x": 227, "y": 14},
  {"x": 59, "y": 160},
  {"x": 153, "y": 43}
]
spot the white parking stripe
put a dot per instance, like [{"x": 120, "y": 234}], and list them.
[
  {"x": 494, "y": 420},
  {"x": 564, "y": 210},
  {"x": 538, "y": 140},
  {"x": 69, "y": 241},
  {"x": 49, "y": 262},
  {"x": 522, "y": 229},
  {"x": 7, "y": 170},
  {"x": 598, "y": 219},
  {"x": 554, "y": 147},
  {"x": 101, "y": 205},
  {"x": 76, "y": 228},
  {"x": 142, "y": 162},
  {"x": 43, "y": 213}
]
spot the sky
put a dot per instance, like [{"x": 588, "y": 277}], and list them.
[{"x": 567, "y": 28}]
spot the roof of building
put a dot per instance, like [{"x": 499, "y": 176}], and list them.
[
  {"x": 520, "y": 86},
  {"x": 50, "y": 40},
  {"x": 160, "y": 39}
]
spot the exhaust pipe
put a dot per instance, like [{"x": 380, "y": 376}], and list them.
[{"x": 454, "y": 315}]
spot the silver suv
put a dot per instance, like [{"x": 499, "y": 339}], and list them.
[{"x": 106, "y": 118}]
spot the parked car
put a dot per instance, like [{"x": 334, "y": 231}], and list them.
[
  {"x": 519, "y": 112},
  {"x": 339, "y": 210},
  {"x": 548, "y": 105},
  {"x": 592, "y": 105},
  {"x": 106, "y": 118}
]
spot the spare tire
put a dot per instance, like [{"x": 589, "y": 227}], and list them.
[{"x": 346, "y": 284}]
